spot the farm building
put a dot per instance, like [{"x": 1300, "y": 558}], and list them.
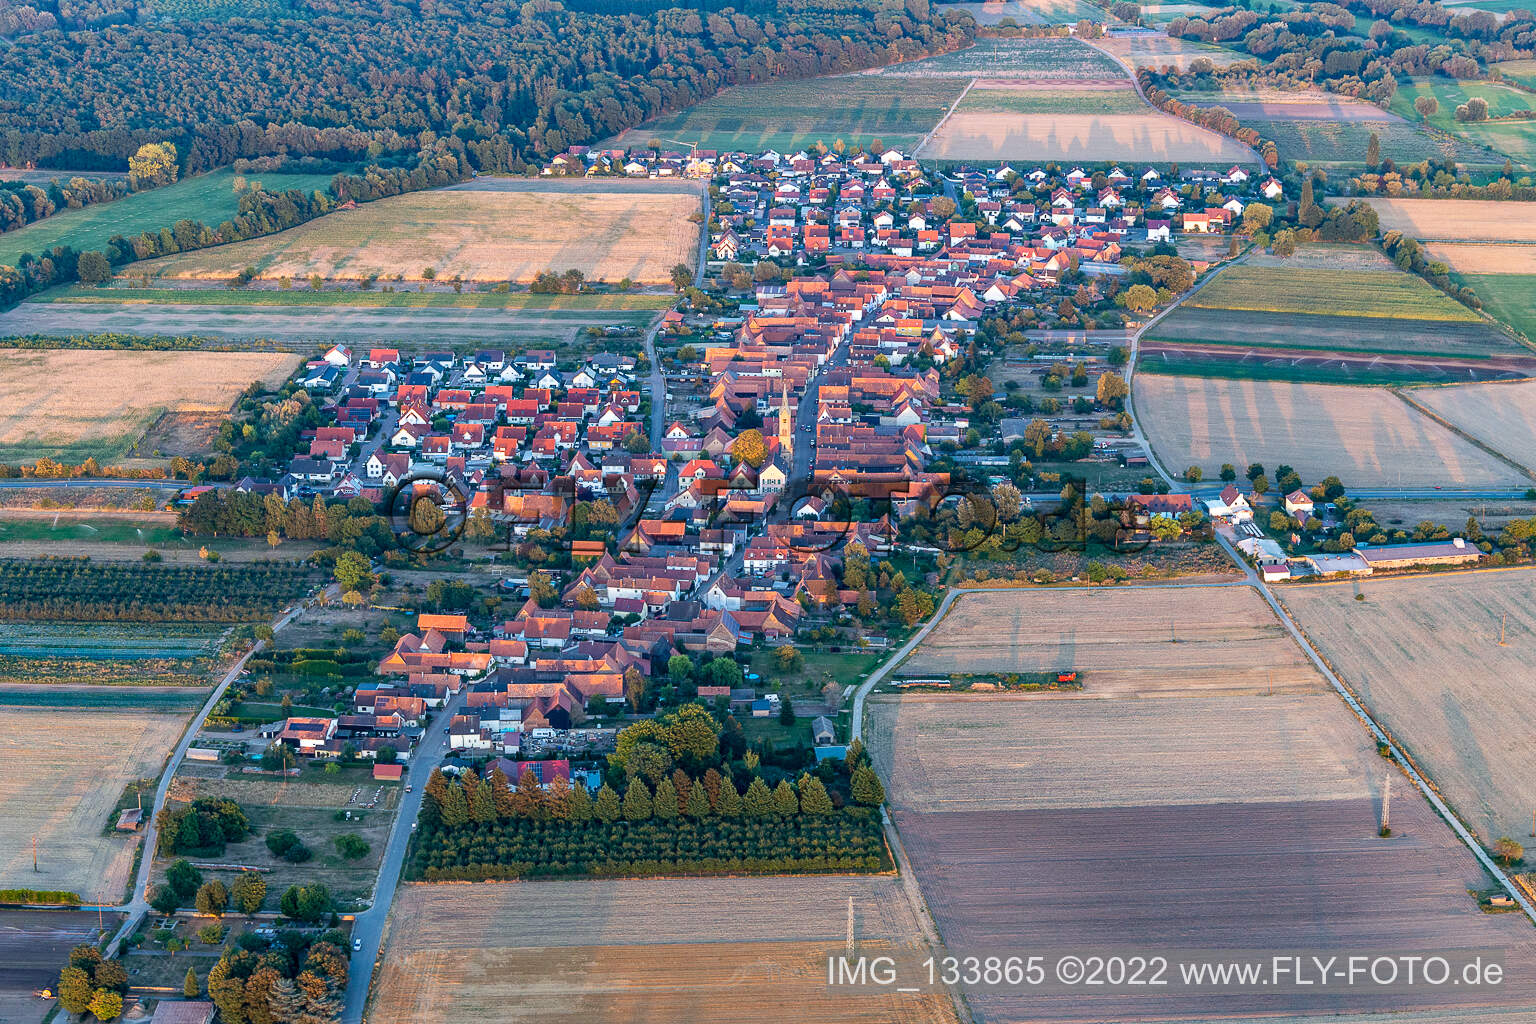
[
  {"x": 1404, "y": 556},
  {"x": 388, "y": 771},
  {"x": 1326, "y": 565}
]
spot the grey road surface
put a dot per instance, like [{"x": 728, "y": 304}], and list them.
[{"x": 368, "y": 927}]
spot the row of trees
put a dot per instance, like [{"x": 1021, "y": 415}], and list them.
[
  {"x": 78, "y": 590},
  {"x": 772, "y": 843}
]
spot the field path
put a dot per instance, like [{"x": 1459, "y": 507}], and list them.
[
  {"x": 137, "y": 907},
  {"x": 917, "y": 150}
]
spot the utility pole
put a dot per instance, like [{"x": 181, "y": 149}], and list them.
[
  {"x": 1503, "y": 622},
  {"x": 850, "y": 925},
  {"x": 1386, "y": 807},
  {"x": 34, "y": 854}
]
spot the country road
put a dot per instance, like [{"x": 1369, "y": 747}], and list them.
[
  {"x": 136, "y": 907},
  {"x": 368, "y": 927}
]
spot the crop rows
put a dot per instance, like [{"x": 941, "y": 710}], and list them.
[
  {"x": 1057, "y": 57},
  {"x": 1336, "y": 292},
  {"x": 80, "y": 590}
]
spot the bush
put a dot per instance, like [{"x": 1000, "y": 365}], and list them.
[
  {"x": 285, "y": 843},
  {"x": 352, "y": 846}
]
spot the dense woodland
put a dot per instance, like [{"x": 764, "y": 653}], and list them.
[{"x": 501, "y": 83}]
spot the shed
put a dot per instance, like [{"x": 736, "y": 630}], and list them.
[
  {"x": 822, "y": 731},
  {"x": 392, "y": 772}
]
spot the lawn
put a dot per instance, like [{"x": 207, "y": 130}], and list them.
[
  {"x": 304, "y": 296},
  {"x": 1523, "y": 71},
  {"x": 1503, "y": 100},
  {"x": 1510, "y": 297},
  {"x": 1335, "y": 292},
  {"x": 210, "y": 198},
  {"x": 107, "y": 531},
  {"x": 791, "y": 115}
]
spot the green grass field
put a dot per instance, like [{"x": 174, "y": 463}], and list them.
[
  {"x": 210, "y": 198},
  {"x": 1054, "y": 57},
  {"x": 65, "y": 698},
  {"x": 787, "y": 116},
  {"x": 1278, "y": 369},
  {"x": 1522, "y": 71},
  {"x": 1509, "y": 297},
  {"x": 1503, "y": 100},
  {"x": 1345, "y": 142},
  {"x": 110, "y": 531},
  {"x": 1050, "y": 101},
  {"x": 1335, "y": 292},
  {"x": 1320, "y": 332},
  {"x": 220, "y": 296},
  {"x": 1516, "y": 139}
]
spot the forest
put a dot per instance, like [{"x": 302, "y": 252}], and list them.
[{"x": 499, "y": 83}]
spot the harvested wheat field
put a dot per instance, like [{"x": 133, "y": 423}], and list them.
[
  {"x": 1159, "y": 51},
  {"x": 1177, "y": 825},
  {"x": 1458, "y": 220},
  {"x": 1148, "y": 136},
  {"x": 661, "y": 950},
  {"x": 1502, "y": 416},
  {"x": 72, "y": 403},
  {"x": 1485, "y": 257},
  {"x": 1146, "y": 752},
  {"x": 478, "y": 235},
  {"x": 1122, "y": 640},
  {"x": 1423, "y": 654},
  {"x": 62, "y": 788},
  {"x": 1368, "y": 437}
]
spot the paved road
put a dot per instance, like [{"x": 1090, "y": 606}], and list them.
[
  {"x": 658, "y": 389},
  {"x": 139, "y": 904},
  {"x": 369, "y": 926}
]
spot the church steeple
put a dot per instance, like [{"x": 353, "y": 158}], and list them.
[{"x": 786, "y": 428}]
